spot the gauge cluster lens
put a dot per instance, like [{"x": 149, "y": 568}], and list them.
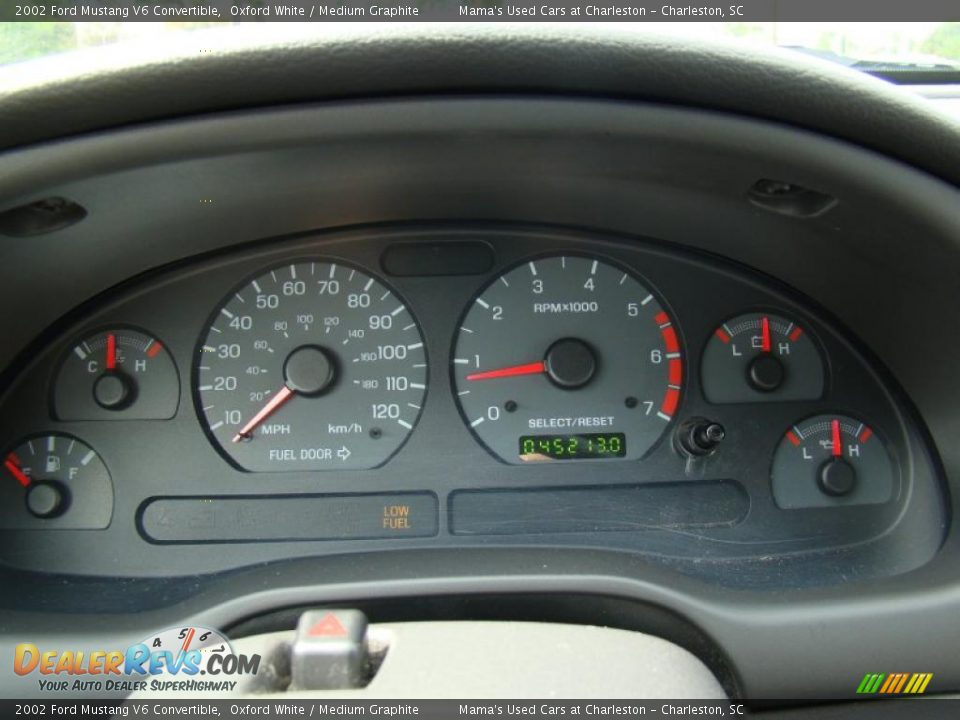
[
  {"x": 567, "y": 358},
  {"x": 311, "y": 366}
]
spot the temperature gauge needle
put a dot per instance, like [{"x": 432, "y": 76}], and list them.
[
  {"x": 765, "y": 334},
  {"x": 837, "y": 449},
  {"x": 111, "y": 352},
  {"x": 276, "y": 402},
  {"x": 528, "y": 369}
]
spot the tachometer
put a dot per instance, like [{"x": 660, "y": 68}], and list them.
[
  {"x": 311, "y": 366},
  {"x": 567, "y": 358}
]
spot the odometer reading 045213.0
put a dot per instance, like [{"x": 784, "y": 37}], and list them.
[
  {"x": 594, "y": 446},
  {"x": 311, "y": 366},
  {"x": 571, "y": 355}
]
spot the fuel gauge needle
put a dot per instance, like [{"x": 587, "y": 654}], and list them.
[
  {"x": 528, "y": 369},
  {"x": 14, "y": 469},
  {"x": 275, "y": 403}
]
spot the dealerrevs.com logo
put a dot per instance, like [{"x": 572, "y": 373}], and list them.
[{"x": 172, "y": 660}]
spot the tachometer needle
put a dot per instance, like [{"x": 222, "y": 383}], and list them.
[
  {"x": 765, "y": 334},
  {"x": 837, "y": 449},
  {"x": 528, "y": 369},
  {"x": 266, "y": 411}
]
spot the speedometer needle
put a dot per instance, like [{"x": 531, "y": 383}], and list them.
[
  {"x": 266, "y": 411},
  {"x": 528, "y": 369}
]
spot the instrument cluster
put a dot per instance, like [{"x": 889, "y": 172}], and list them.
[{"x": 443, "y": 386}]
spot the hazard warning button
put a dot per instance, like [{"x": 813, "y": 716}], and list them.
[{"x": 330, "y": 650}]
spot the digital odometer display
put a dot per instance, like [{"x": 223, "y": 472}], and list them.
[{"x": 534, "y": 448}]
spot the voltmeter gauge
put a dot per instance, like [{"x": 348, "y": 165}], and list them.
[
  {"x": 758, "y": 357},
  {"x": 117, "y": 374},
  {"x": 831, "y": 460},
  {"x": 54, "y": 482}
]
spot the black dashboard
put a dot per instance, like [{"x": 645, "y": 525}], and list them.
[
  {"x": 312, "y": 395},
  {"x": 727, "y": 418}
]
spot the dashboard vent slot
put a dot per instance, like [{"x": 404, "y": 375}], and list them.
[
  {"x": 789, "y": 198},
  {"x": 41, "y": 217}
]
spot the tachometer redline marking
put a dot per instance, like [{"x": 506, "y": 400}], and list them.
[
  {"x": 266, "y": 411},
  {"x": 534, "y": 368},
  {"x": 16, "y": 472}
]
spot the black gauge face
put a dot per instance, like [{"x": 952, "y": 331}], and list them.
[
  {"x": 117, "y": 374},
  {"x": 311, "y": 366},
  {"x": 567, "y": 358},
  {"x": 831, "y": 460},
  {"x": 760, "y": 357},
  {"x": 54, "y": 482}
]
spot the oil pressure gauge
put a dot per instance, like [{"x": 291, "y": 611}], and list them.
[
  {"x": 759, "y": 357},
  {"x": 831, "y": 460},
  {"x": 117, "y": 374}
]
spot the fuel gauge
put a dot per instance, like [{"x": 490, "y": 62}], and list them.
[
  {"x": 54, "y": 482},
  {"x": 759, "y": 357},
  {"x": 118, "y": 374},
  {"x": 831, "y": 460}
]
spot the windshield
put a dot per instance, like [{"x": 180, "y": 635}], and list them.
[{"x": 922, "y": 46}]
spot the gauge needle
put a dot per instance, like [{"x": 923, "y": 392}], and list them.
[
  {"x": 765, "y": 333},
  {"x": 835, "y": 431},
  {"x": 528, "y": 369},
  {"x": 266, "y": 411},
  {"x": 16, "y": 472},
  {"x": 111, "y": 352}
]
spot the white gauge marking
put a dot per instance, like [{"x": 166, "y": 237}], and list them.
[
  {"x": 397, "y": 311},
  {"x": 87, "y": 458},
  {"x": 533, "y": 268},
  {"x": 405, "y": 424},
  {"x": 80, "y": 353},
  {"x": 367, "y": 286},
  {"x": 482, "y": 303},
  {"x": 255, "y": 286},
  {"x": 227, "y": 313},
  {"x": 593, "y": 268},
  {"x": 217, "y": 426},
  {"x": 647, "y": 299},
  {"x": 477, "y": 421},
  {"x": 418, "y": 386},
  {"x": 664, "y": 416}
]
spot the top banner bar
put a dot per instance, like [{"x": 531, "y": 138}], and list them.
[{"x": 645, "y": 11}]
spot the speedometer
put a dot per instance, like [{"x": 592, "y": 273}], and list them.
[
  {"x": 312, "y": 365},
  {"x": 567, "y": 358}
]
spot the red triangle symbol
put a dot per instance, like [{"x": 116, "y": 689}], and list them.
[{"x": 328, "y": 626}]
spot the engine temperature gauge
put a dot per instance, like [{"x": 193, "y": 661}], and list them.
[
  {"x": 831, "y": 460},
  {"x": 118, "y": 374},
  {"x": 760, "y": 357}
]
